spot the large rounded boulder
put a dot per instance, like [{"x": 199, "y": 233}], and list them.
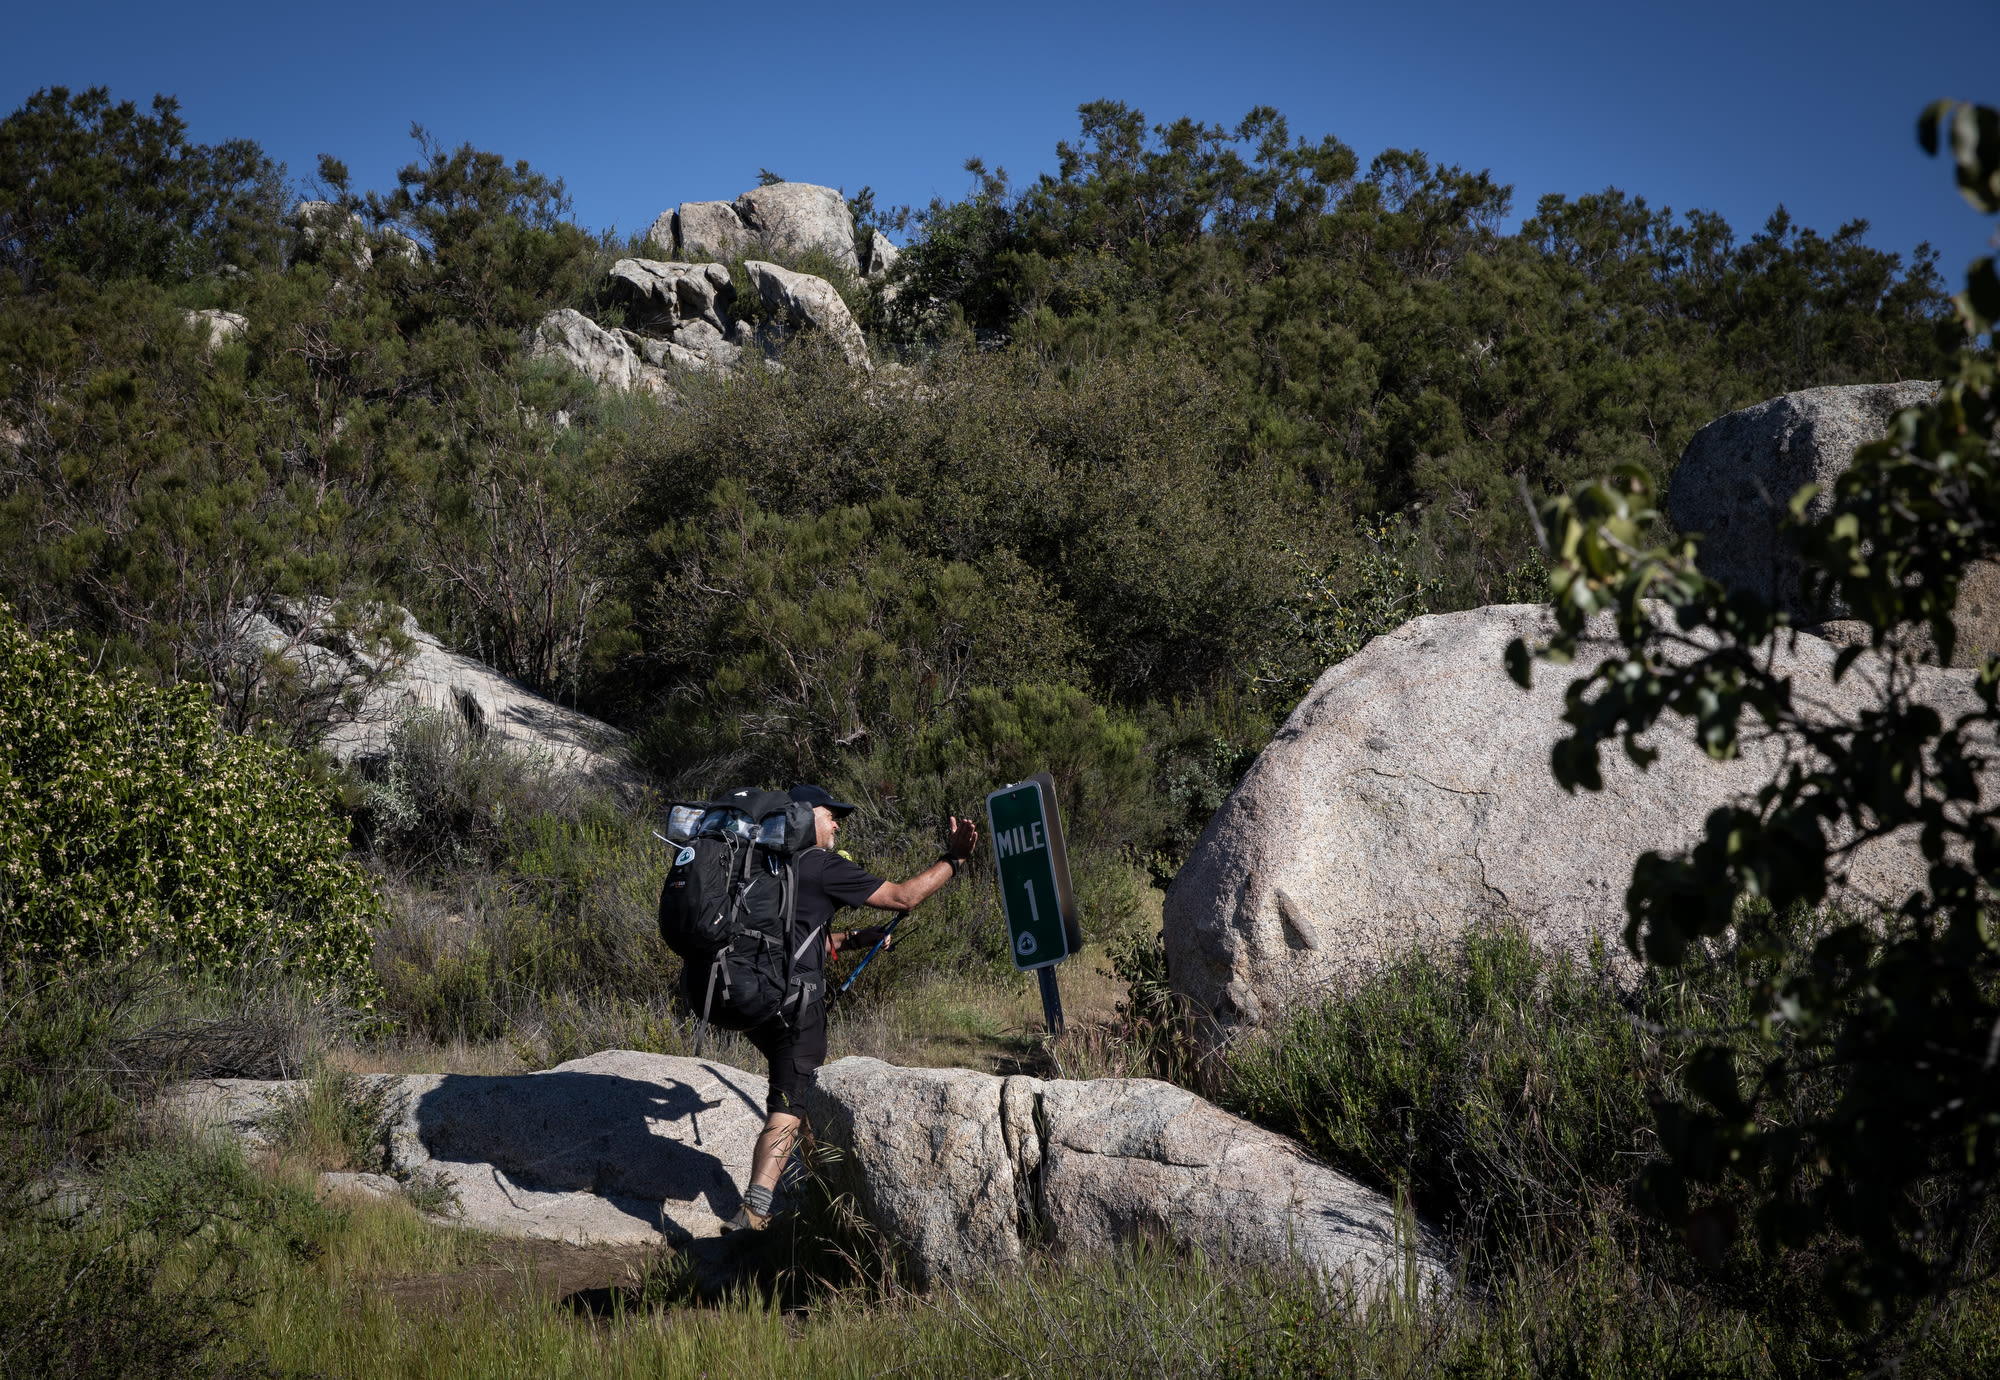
[
  {"x": 1409, "y": 796},
  {"x": 1739, "y": 473}
]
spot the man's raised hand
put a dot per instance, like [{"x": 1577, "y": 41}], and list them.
[{"x": 961, "y": 838}]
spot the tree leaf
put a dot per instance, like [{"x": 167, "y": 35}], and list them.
[
  {"x": 1982, "y": 291},
  {"x": 1927, "y": 125}
]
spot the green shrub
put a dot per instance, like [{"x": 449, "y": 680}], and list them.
[
  {"x": 1200, "y": 749},
  {"x": 1105, "y": 507},
  {"x": 334, "y": 1120},
  {"x": 445, "y": 995},
  {"x": 1379, "y": 335},
  {"x": 375, "y": 436},
  {"x": 447, "y": 796},
  {"x": 99, "y": 189},
  {"x": 1515, "y": 1094},
  {"x": 1505, "y": 1088},
  {"x": 123, "y": 1247},
  {"x": 1097, "y": 756},
  {"x": 130, "y": 821},
  {"x": 153, "y": 1276},
  {"x": 57, "y": 1107},
  {"x": 1341, "y": 604},
  {"x": 73, "y": 1305},
  {"x": 517, "y": 889},
  {"x": 825, "y": 636}
]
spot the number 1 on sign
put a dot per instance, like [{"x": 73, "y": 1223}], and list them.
[{"x": 1026, "y": 946}]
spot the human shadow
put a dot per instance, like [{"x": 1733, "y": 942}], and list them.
[{"x": 637, "y": 1144}]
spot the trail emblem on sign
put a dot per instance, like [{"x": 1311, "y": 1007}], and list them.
[{"x": 1034, "y": 872}]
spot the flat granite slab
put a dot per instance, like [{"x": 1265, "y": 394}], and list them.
[
  {"x": 620, "y": 1148},
  {"x": 966, "y": 1171}
]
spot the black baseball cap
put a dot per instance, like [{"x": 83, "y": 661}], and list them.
[{"x": 819, "y": 795}]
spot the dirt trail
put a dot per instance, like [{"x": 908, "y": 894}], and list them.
[{"x": 519, "y": 1271}]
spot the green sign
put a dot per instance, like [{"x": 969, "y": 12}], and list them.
[{"x": 1042, "y": 920}]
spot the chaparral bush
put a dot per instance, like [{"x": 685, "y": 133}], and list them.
[{"x": 129, "y": 821}]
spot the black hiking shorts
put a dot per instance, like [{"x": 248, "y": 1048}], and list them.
[{"x": 795, "y": 1052}]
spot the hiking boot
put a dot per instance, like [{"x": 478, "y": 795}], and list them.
[{"x": 745, "y": 1220}]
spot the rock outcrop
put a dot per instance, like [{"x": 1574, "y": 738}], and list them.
[
  {"x": 784, "y": 217},
  {"x": 882, "y": 256},
  {"x": 659, "y": 296},
  {"x": 683, "y": 318},
  {"x": 574, "y": 339},
  {"x": 606, "y": 357},
  {"x": 428, "y": 676},
  {"x": 619, "y": 1147},
  {"x": 1739, "y": 473},
  {"x": 699, "y": 345},
  {"x": 933, "y": 1161},
  {"x": 660, "y": 235},
  {"x": 218, "y": 327},
  {"x": 809, "y": 301},
  {"x": 798, "y": 217},
  {"x": 398, "y": 245},
  {"x": 680, "y": 310},
  {"x": 964, "y": 1170},
  {"x": 708, "y": 228},
  {"x": 684, "y": 306},
  {"x": 322, "y": 228},
  {"x": 1409, "y": 796}
]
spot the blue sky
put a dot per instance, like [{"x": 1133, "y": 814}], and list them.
[{"x": 1733, "y": 107}]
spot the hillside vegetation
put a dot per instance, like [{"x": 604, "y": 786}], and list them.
[
  {"x": 1157, "y": 382},
  {"x": 1149, "y": 443}
]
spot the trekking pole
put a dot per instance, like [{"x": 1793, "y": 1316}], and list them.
[{"x": 879, "y": 945}]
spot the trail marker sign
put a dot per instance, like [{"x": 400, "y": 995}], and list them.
[{"x": 1043, "y": 926}]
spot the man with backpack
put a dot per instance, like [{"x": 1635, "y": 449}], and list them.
[{"x": 749, "y": 904}]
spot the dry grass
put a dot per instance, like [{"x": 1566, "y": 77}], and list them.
[
  {"x": 354, "y": 1286},
  {"x": 997, "y": 1027},
  {"x": 393, "y": 1295},
  {"x": 418, "y": 1055},
  {"x": 927, "y": 1022}
]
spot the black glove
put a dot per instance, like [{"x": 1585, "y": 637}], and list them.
[{"x": 865, "y": 939}]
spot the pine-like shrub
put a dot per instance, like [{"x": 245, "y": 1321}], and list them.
[{"x": 131, "y": 821}]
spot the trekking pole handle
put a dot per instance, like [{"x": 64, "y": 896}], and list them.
[{"x": 872, "y": 952}]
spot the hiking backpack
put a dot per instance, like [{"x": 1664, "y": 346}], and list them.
[{"x": 728, "y": 904}]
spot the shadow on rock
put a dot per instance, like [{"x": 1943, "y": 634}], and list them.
[{"x": 620, "y": 1146}]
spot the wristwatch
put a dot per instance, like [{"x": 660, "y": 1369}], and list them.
[{"x": 957, "y": 864}]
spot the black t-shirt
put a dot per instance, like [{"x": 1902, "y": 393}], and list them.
[{"x": 826, "y": 882}]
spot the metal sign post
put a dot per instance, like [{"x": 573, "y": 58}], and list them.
[{"x": 1043, "y": 927}]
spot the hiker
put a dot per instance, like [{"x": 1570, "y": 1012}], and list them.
[{"x": 796, "y": 1046}]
